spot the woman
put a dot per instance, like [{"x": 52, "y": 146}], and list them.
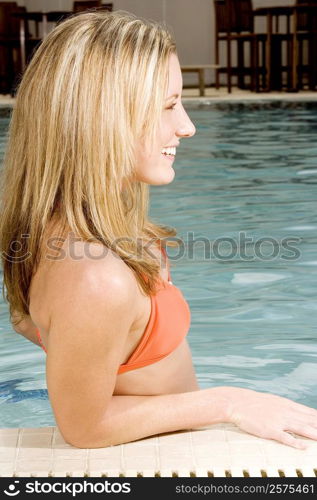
[{"x": 97, "y": 119}]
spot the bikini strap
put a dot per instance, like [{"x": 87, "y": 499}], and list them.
[{"x": 40, "y": 339}]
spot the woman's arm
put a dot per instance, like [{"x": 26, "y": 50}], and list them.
[
  {"x": 92, "y": 314},
  {"x": 26, "y": 327},
  {"x": 128, "y": 418}
]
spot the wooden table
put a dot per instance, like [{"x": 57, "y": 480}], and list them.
[
  {"x": 290, "y": 11},
  {"x": 38, "y": 17},
  {"x": 200, "y": 70}
]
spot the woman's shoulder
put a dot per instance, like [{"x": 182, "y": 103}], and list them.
[{"x": 80, "y": 271}]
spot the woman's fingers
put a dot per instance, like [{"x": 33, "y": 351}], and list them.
[
  {"x": 303, "y": 430},
  {"x": 274, "y": 417},
  {"x": 285, "y": 438}
]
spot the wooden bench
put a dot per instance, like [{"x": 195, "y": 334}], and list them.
[{"x": 200, "y": 70}]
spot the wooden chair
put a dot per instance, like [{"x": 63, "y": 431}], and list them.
[
  {"x": 234, "y": 22},
  {"x": 10, "y": 60},
  {"x": 81, "y": 5},
  {"x": 306, "y": 37},
  {"x": 107, "y": 6}
]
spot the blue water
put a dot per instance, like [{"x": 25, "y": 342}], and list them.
[{"x": 250, "y": 171}]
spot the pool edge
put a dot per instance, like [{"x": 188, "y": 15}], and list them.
[{"x": 220, "y": 450}]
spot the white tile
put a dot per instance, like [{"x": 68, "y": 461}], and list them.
[
  {"x": 35, "y": 440},
  {"x": 6, "y": 469},
  {"x": 173, "y": 439},
  {"x": 140, "y": 451},
  {"x": 312, "y": 451},
  {"x": 249, "y": 448},
  {"x": 140, "y": 463},
  {"x": 38, "y": 430},
  {"x": 8, "y": 440},
  {"x": 35, "y": 453},
  {"x": 217, "y": 435},
  {"x": 282, "y": 461},
  {"x": 104, "y": 464},
  {"x": 220, "y": 461},
  {"x": 8, "y": 432},
  {"x": 111, "y": 452},
  {"x": 174, "y": 451},
  {"x": 245, "y": 461},
  {"x": 69, "y": 453},
  {"x": 7, "y": 454},
  {"x": 68, "y": 465},
  {"x": 214, "y": 449},
  {"x": 309, "y": 461},
  {"x": 180, "y": 461},
  {"x": 33, "y": 466}
]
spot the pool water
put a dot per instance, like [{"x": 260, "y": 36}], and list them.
[{"x": 249, "y": 172}]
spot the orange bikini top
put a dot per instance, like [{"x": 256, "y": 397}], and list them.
[{"x": 168, "y": 325}]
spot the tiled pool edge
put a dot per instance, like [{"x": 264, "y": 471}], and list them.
[{"x": 220, "y": 450}]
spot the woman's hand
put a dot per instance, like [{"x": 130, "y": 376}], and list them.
[{"x": 272, "y": 417}]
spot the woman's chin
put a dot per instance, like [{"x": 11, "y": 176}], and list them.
[
  {"x": 166, "y": 177},
  {"x": 162, "y": 176}
]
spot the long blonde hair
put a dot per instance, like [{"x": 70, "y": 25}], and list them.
[{"x": 94, "y": 86}]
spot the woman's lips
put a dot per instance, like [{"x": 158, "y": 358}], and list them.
[{"x": 170, "y": 158}]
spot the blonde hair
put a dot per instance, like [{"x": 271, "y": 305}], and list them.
[{"x": 94, "y": 86}]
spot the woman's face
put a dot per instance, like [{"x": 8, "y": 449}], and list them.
[{"x": 156, "y": 167}]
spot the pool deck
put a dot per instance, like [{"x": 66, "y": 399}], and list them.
[
  {"x": 214, "y": 95},
  {"x": 220, "y": 450}
]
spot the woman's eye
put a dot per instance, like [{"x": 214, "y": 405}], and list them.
[{"x": 172, "y": 107}]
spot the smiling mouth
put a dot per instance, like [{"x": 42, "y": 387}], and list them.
[
  {"x": 169, "y": 157},
  {"x": 169, "y": 152}
]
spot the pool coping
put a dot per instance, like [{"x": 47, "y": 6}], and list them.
[
  {"x": 241, "y": 97},
  {"x": 213, "y": 95},
  {"x": 220, "y": 450}
]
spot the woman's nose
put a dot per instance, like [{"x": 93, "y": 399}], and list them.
[{"x": 186, "y": 127}]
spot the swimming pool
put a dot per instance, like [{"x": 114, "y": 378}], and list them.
[{"x": 249, "y": 174}]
